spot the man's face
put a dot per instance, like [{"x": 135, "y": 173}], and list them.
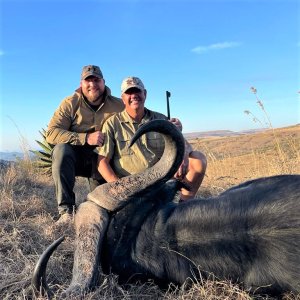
[
  {"x": 134, "y": 99},
  {"x": 92, "y": 88}
]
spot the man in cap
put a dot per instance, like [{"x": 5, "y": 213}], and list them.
[
  {"x": 75, "y": 130},
  {"x": 117, "y": 160}
]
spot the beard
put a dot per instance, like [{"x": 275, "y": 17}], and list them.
[{"x": 93, "y": 96}]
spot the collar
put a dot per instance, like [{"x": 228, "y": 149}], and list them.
[{"x": 125, "y": 118}]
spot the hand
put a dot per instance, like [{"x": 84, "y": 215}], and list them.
[
  {"x": 95, "y": 138},
  {"x": 183, "y": 169},
  {"x": 177, "y": 123}
]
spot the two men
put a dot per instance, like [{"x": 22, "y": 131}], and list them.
[{"x": 76, "y": 130}]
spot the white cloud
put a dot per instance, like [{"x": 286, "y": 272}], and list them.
[{"x": 217, "y": 46}]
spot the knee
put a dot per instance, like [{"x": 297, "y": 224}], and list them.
[
  {"x": 197, "y": 162},
  {"x": 62, "y": 153}
]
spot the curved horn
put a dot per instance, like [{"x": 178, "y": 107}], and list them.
[
  {"x": 38, "y": 280},
  {"x": 114, "y": 195}
]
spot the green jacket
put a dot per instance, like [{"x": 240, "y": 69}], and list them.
[{"x": 74, "y": 118}]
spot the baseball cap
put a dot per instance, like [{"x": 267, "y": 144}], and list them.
[
  {"x": 131, "y": 82},
  {"x": 91, "y": 70}
]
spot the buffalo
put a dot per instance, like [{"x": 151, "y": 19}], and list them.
[{"x": 249, "y": 234}]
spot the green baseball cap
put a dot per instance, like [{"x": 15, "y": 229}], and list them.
[{"x": 91, "y": 70}]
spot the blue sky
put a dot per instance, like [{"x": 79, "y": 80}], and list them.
[{"x": 208, "y": 54}]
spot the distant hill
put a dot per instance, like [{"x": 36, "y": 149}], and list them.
[
  {"x": 11, "y": 156},
  {"x": 220, "y": 133},
  {"x": 247, "y": 143}
]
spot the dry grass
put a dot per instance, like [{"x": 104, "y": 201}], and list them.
[
  {"x": 232, "y": 160},
  {"x": 28, "y": 212}
]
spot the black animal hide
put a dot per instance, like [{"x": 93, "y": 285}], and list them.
[{"x": 249, "y": 234}]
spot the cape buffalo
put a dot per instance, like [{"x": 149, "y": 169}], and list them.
[{"x": 249, "y": 234}]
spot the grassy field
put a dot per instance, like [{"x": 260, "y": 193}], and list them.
[
  {"x": 232, "y": 160},
  {"x": 28, "y": 212}
]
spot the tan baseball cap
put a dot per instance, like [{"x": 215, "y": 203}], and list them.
[
  {"x": 131, "y": 82},
  {"x": 91, "y": 70}
]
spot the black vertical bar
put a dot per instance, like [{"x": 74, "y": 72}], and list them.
[{"x": 168, "y": 94}]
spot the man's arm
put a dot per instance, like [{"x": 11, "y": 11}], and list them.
[
  {"x": 107, "y": 151},
  {"x": 105, "y": 169},
  {"x": 182, "y": 171},
  {"x": 59, "y": 127}
]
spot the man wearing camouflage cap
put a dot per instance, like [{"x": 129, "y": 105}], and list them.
[
  {"x": 117, "y": 159},
  {"x": 75, "y": 130}
]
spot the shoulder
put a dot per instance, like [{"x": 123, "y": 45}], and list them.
[
  {"x": 117, "y": 101},
  {"x": 71, "y": 101},
  {"x": 113, "y": 104},
  {"x": 154, "y": 115},
  {"x": 67, "y": 107},
  {"x": 112, "y": 101}
]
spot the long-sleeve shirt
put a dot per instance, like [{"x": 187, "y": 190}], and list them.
[{"x": 74, "y": 118}]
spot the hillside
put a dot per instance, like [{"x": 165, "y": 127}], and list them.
[
  {"x": 218, "y": 133},
  {"x": 232, "y": 159},
  {"x": 240, "y": 143}
]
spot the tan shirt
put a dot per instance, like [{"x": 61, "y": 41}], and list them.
[
  {"x": 147, "y": 150},
  {"x": 74, "y": 118}
]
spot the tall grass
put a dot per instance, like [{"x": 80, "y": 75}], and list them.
[{"x": 281, "y": 153}]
